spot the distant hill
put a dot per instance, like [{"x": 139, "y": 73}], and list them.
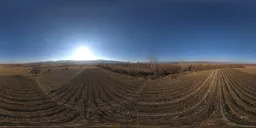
[
  {"x": 202, "y": 62},
  {"x": 88, "y": 62},
  {"x": 93, "y": 62}
]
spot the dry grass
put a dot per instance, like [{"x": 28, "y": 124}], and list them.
[
  {"x": 248, "y": 69},
  {"x": 14, "y": 70}
]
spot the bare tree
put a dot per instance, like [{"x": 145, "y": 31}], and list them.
[
  {"x": 152, "y": 60},
  {"x": 182, "y": 65},
  {"x": 137, "y": 66},
  {"x": 35, "y": 70}
]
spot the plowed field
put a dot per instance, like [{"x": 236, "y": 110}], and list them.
[{"x": 214, "y": 98}]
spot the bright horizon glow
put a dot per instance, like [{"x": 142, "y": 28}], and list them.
[{"x": 83, "y": 53}]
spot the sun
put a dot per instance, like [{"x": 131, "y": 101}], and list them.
[{"x": 83, "y": 53}]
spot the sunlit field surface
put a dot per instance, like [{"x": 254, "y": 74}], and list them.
[
  {"x": 248, "y": 69},
  {"x": 91, "y": 96},
  {"x": 13, "y": 70}
]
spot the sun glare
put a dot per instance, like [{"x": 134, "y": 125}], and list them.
[{"x": 83, "y": 53}]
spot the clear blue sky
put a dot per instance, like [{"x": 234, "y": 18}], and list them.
[{"x": 38, "y": 30}]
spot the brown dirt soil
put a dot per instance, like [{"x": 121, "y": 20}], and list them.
[
  {"x": 100, "y": 98},
  {"x": 58, "y": 77}
]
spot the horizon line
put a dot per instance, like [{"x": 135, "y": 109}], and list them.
[{"x": 165, "y": 61}]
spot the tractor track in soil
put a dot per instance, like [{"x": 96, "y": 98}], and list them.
[{"x": 215, "y": 98}]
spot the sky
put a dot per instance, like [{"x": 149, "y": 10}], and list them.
[{"x": 128, "y": 30}]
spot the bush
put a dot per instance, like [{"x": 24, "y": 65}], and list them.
[
  {"x": 161, "y": 72},
  {"x": 35, "y": 71},
  {"x": 145, "y": 70}
]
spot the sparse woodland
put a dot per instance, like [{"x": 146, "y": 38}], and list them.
[{"x": 153, "y": 70}]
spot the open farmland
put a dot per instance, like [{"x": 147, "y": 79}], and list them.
[
  {"x": 58, "y": 76},
  {"x": 218, "y": 98},
  {"x": 15, "y": 70},
  {"x": 248, "y": 69}
]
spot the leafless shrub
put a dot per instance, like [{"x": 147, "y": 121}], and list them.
[
  {"x": 152, "y": 60},
  {"x": 145, "y": 69},
  {"x": 35, "y": 70}
]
